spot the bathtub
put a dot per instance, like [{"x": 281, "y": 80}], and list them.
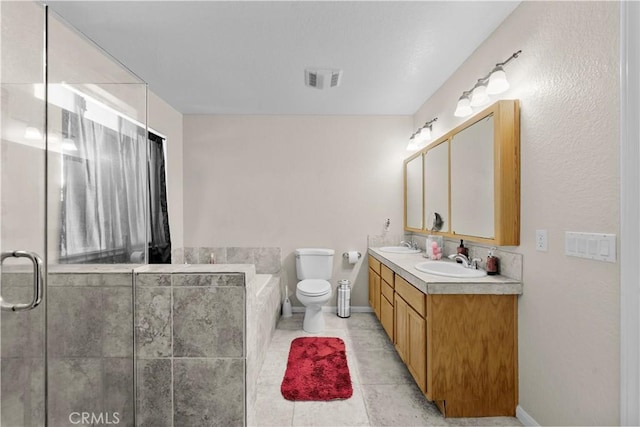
[{"x": 264, "y": 303}]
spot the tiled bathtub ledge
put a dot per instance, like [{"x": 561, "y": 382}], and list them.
[
  {"x": 248, "y": 270},
  {"x": 404, "y": 266},
  {"x": 121, "y": 274}
]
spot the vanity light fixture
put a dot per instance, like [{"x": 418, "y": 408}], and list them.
[
  {"x": 492, "y": 84},
  {"x": 421, "y": 136}
]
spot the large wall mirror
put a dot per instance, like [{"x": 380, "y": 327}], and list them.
[
  {"x": 436, "y": 188},
  {"x": 470, "y": 187},
  {"x": 413, "y": 193}
]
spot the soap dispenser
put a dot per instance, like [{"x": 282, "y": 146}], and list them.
[
  {"x": 462, "y": 250},
  {"x": 493, "y": 263}
]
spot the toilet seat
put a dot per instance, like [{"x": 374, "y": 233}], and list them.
[{"x": 313, "y": 287}]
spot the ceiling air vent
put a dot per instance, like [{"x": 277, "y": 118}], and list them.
[{"x": 322, "y": 78}]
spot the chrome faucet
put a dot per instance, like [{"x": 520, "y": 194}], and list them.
[
  {"x": 465, "y": 261},
  {"x": 461, "y": 257},
  {"x": 410, "y": 245}
]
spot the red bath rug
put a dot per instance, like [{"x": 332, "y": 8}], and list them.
[{"x": 317, "y": 370}]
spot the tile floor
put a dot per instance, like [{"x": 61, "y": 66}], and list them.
[{"x": 376, "y": 373}]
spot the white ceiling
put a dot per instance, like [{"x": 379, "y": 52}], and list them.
[{"x": 244, "y": 57}]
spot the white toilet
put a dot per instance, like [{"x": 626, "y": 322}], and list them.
[{"x": 314, "y": 268}]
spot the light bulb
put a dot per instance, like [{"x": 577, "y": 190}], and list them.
[
  {"x": 426, "y": 133},
  {"x": 413, "y": 145},
  {"x": 463, "y": 109},
  {"x": 497, "y": 81},
  {"x": 479, "y": 95}
]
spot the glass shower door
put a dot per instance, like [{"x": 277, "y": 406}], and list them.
[
  {"x": 22, "y": 213},
  {"x": 96, "y": 228},
  {"x": 73, "y": 203}
]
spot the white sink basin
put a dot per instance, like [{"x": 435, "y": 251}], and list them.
[
  {"x": 399, "y": 250},
  {"x": 449, "y": 269}
]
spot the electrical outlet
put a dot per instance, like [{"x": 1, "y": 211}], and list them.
[{"x": 541, "y": 241}]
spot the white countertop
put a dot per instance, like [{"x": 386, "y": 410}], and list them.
[{"x": 404, "y": 266}]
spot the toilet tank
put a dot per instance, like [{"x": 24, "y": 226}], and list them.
[{"x": 312, "y": 263}]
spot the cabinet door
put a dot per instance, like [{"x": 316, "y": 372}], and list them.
[
  {"x": 371, "y": 279},
  {"x": 374, "y": 292},
  {"x": 401, "y": 337},
  {"x": 376, "y": 295},
  {"x": 386, "y": 316},
  {"x": 417, "y": 347}
]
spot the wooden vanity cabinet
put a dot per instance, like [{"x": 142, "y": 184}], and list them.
[
  {"x": 472, "y": 354},
  {"x": 411, "y": 330},
  {"x": 374, "y": 285},
  {"x": 461, "y": 349}
]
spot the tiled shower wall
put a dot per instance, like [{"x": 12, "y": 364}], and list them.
[
  {"x": 90, "y": 349},
  {"x": 22, "y": 357}
]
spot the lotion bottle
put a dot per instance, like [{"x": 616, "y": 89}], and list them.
[
  {"x": 462, "y": 250},
  {"x": 493, "y": 263}
]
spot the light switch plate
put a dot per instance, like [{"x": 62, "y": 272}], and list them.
[{"x": 601, "y": 247}]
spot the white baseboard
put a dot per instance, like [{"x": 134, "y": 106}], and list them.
[
  {"x": 333, "y": 309},
  {"x": 524, "y": 417}
]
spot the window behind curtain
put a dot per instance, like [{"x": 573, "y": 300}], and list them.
[{"x": 109, "y": 206}]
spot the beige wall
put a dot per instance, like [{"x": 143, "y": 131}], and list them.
[
  {"x": 166, "y": 120},
  {"x": 294, "y": 181},
  {"x": 567, "y": 83}
]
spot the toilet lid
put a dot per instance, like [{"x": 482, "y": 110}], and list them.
[{"x": 314, "y": 287}]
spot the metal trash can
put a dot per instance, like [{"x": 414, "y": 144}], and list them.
[{"x": 344, "y": 298}]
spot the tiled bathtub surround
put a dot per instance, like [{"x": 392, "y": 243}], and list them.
[
  {"x": 199, "y": 328},
  {"x": 268, "y": 260},
  {"x": 191, "y": 317},
  {"x": 264, "y": 301}
]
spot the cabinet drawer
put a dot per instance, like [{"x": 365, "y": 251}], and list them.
[
  {"x": 386, "y": 290},
  {"x": 374, "y": 264},
  {"x": 414, "y": 297},
  {"x": 387, "y": 274}
]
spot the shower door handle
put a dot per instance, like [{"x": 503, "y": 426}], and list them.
[{"x": 37, "y": 281}]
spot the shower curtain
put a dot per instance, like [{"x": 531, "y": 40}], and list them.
[{"x": 160, "y": 237}]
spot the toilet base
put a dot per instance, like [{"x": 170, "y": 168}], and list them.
[{"x": 313, "y": 319}]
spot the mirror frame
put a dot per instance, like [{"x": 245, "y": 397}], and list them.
[{"x": 506, "y": 154}]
